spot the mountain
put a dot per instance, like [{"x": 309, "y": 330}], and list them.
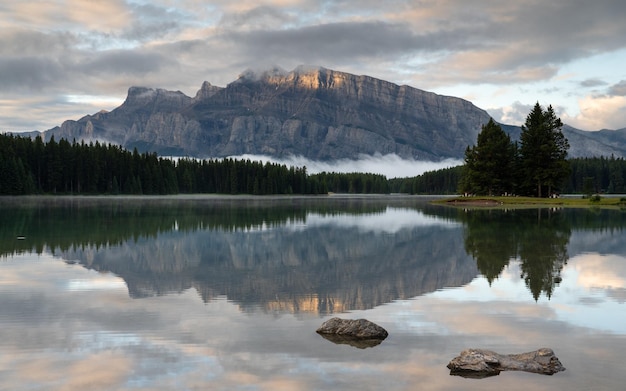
[{"x": 317, "y": 113}]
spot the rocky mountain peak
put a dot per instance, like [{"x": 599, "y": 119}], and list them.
[
  {"x": 207, "y": 90},
  {"x": 144, "y": 98},
  {"x": 139, "y": 95},
  {"x": 313, "y": 112},
  {"x": 303, "y": 76},
  {"x": 267, "y": 75}
]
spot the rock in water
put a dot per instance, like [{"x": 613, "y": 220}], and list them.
[
  {"x": 357, "y": 329},
  {"x": 479, "y": 363}
]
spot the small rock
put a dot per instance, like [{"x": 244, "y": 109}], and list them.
[
  {"x": 357, "y": 329},
  {"x": 478, "y": 363}
]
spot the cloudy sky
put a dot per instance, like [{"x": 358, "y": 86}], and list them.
[{"x": 63, "y": 59}]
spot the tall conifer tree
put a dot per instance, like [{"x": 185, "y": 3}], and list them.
[
  {"x": 543, "y": 152},
  {"x": 489, "y": 165}
]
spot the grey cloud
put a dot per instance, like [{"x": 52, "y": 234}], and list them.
[
  {"x": 566, "y": 30},
  {"x": 147, "y": 31},
  {"x": 263, "y": 17},
  {"x": 618, "y": 89},
  {"x": 331, "y": 43},
  {"x": 125, "y": 62},
  {"x": 153, "y": 21},
  {"x": 527, "y": 42},
  {"x": 589, "y": 83},
  {"x": 34, "y": 73},
  {"x": 45, "y": 72},
  {"x": 33, "y": 43}
]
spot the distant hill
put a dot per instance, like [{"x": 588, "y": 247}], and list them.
[{"x": 317, "y": 113}]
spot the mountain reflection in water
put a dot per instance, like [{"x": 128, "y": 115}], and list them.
[{"x": 300, "y": 255}]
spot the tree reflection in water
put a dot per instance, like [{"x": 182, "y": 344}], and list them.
[{"x": 537, "y": 237}]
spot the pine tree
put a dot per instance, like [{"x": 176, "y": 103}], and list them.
[
  {"x": 543, "y": 152},
  {"x": 489, "y": 165}
]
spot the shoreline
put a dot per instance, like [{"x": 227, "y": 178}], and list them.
[{"x": 615, "y": 201}]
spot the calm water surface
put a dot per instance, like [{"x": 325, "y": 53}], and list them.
[{"x": 226, "y": 293}]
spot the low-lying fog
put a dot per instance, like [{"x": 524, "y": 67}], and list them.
[{"x": 392, "y": 166}]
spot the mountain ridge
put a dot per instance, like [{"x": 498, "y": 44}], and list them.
[{"x": 314, "y": 112}]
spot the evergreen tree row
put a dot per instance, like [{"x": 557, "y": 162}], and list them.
[
  {"x": 442, "y": 181},
  {"x": 33, "y": 167},
  {"x": 352, "y": 183},
  {"x": 587, "y": 176},
  {"x": 30, "y": 166},
  {"x": 597, "y": 175}
]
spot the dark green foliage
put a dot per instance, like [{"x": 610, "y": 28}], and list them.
[
  {"x": 442, "y": 181},
  {"x": 490, "y": 164},
  {"x": 539, "y": 167},
  {"x": 353, "y": 183},
  {"x": 587, "y": 176},
  {"x": 597, "y": 175},
  {"x": 542, "y": 153},
  {"x": 33, "y": 167},
  {"x": 595, "y": 198}
]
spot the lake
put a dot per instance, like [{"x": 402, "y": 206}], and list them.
[{"x": 225, "y": 293}]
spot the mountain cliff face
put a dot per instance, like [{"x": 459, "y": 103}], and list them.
[{"x": 317, "y": 113}]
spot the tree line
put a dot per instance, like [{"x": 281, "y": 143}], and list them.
[
  {"x": 33, "y": 167},
  {"x": 588, "y": 175},
  {"x": 443, "y": 181},
  {"x": 30, "y": 166}
]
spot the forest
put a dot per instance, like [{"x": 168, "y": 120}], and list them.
[
  {"x": 30, "y": 166},
  {"x": 597, "y": 175}
]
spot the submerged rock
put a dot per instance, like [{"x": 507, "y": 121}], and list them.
[
  {"x": 479, "y": 363},
  {"x": 359, "y": 329}
]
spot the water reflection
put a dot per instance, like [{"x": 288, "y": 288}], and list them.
[
  {"x": 306, "y": 256},
  {"x": 249, "y": 295},
  {"x": 302, "y": 255},
  {"x": 538, "y": 238}
]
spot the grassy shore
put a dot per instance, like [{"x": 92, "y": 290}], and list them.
[{"x": 574, "y": 202}]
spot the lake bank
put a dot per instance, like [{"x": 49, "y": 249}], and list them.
[{"x": 617, "y": 201}]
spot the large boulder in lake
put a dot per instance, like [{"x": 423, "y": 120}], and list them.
[
  {"x": 360, "y": 333},
  {"x": 479, "y": 363}
]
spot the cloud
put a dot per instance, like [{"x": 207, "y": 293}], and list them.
[
  {"x": 100, "y": 48},
  {"x": 588, "y": 83},
  {"x": 327, "y": 43},
  {"x": 392, "y": 221},
  {"x": 514, "y": 114},
  {"x": 618, "y": 89},
  {"x": 127, "y": 62},
  {"x": 599, "y": 112},
  {"x": 391, "y": 166},
  {"x": 30, "y": 73},
  {"x": 259, "y": 18},
  {"x": 597, "y": 271}
]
